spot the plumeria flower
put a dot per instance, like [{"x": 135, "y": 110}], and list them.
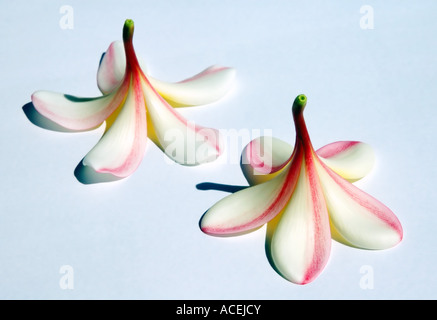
[
  {"x": 136, "y": 106},
  {"x": 305, "y": 197}
]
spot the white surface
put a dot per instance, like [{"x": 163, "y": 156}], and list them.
[{"x": 139, "y": 238}]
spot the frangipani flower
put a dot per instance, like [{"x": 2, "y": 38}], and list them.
[
  {"x": 135, "y": 106},
  {"x": 306, "y": 202}
]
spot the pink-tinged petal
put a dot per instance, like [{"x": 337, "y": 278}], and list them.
[
  {"x": 352, "y": 160},
  {"x": 300, "y": 241},
  {"x": 77, "y": 113},
  {"x": 264, "y": 157},
  {"x": 357, "y": 219},
  {"x": 206, "y": 87},
  {"x": 121, "y": 148},
  {"x": 112, "y": 67},
  {"x": 252, "y": 207},
  {"x": 183, "y": 141}
]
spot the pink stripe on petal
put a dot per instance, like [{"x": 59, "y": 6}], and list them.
[
  {"x": 251, "y": 208},
  {"x": 264, "y": 156},
  {"x": 111, "y": 68},
  {"x": 121, "y": 149},
  {"x": 299, "y": 241},
  {"x": 335, "y": 148},
  {"x": 206, "y": 87},
  {"x": 166, "y": 119},
  {"x": 208, "y": 71},
  {"x": 360, "y": 219},
  {"x": 77, "y": 113},
  {"x": 110, "y": 74},
  {"x": 322, "y": 234},
  {"x": 263, "y": 164},
  {"x": 135, "y": 157}
]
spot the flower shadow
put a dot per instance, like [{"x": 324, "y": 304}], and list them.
[
  {"x": 83, "y": 174},
  {"x": 87, "y": 175},
  {"x": 39, "y": 120},
  {"x": 271, "y": 225},
  {"x": 219, "y": 187}
]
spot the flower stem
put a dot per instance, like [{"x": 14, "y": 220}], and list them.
[
  {"x": 128, "y": 30},
  {"x": 299, "y": 104},
  {"x": 299, "y": 121},
  {"x": 128, "y": 33}
]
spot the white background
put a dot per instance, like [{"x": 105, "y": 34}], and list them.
[{"x": 139, "y": 238}]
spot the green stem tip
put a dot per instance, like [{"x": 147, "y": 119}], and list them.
[
  {"x": 299, "y": 104},
  {"x": 128, "y": 30}
]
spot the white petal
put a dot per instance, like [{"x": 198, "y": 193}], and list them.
[
  {"x": 352, "y": 160},
  {"x": 112, "y": 67},
  {"x": 252, "y": 207},
  {"x": 245, "y": 210},
  {"x": 357, "y": 219},
  {"x": 181, "y": 140},
  {"x": 264, "y": 157},
  {"x": 299, "y": 242},
  {"x": 74, "y": 112},
  {"x": 121, "y": 148},
  {"x": 206, "y": 87}
]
